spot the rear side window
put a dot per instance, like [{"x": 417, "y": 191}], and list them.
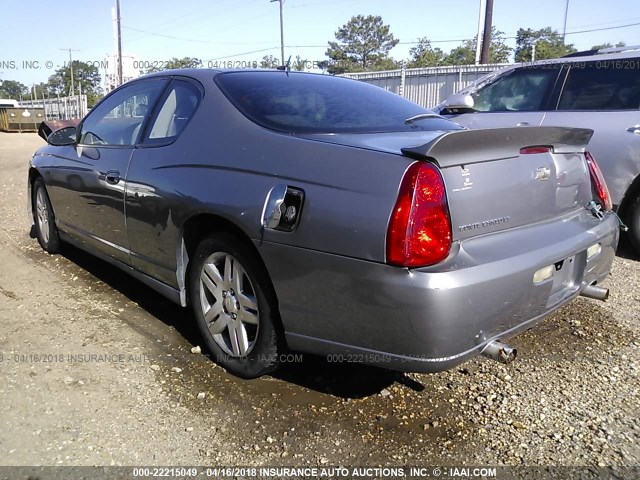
[
  {"x": 602, "y": 85},
  {"x": 521, "y": 90},
  {"x": 308, "y": 103},
  {"x": 175, "y": 110}
]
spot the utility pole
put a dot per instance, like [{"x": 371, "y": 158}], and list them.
[
  {"x": 71, "y": 65},
  {"x": 479, "y": 36},
  {"x": 486, "y": 37},
  {"x": 566, "y": 13},
  {"x": 533, "y": 52},
  {"x": 119, "y": 43},
  {"x": 80, "y": 110},
  {"x": 281, "y": 30},
  {"x": 44, "y": 103}
]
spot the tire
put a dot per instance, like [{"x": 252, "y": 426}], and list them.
[
  {"x": 234, "y": 306},
  {"x": 633, "y": 222},
  {"x": 44, "y": 219}
]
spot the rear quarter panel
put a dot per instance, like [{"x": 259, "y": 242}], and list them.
[{"x": 225, "y": 165}]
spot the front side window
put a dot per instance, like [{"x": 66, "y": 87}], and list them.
[
  {"x": 602, "y": 85},
  {"x": 520, "y": 90},
  {"x": 117, "y": 120},
  {"x": 309, "y": 103}
]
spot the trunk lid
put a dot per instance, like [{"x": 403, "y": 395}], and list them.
[{"x": 490, "y": 185}]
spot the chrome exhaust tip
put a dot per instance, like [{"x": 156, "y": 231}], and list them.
[
  {"x": 595, "y": 292},
  {"x": 500, "y": 352}
]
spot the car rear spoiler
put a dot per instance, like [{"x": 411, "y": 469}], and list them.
[
  {"x": 474, "y": 146},
  {"x": 47, "y": 127}
]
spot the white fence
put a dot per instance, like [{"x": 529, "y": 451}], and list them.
[
  {"x": 59, "y": 108},
  {"x": 427, "y": 86}
]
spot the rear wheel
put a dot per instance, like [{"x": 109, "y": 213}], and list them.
[
  {"x": 633, "y": 222},
  {"x": 234, "y": 306},
  {"x": 46, "y": 230}
]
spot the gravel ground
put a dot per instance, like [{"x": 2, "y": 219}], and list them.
[{"x": 571, "y": 398}]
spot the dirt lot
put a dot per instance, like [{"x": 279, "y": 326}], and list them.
[{"x": 96, "y": 369}]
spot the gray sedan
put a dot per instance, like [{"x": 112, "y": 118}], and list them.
[{"x": 326, "y": 215}]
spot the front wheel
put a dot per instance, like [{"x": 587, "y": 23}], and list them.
[
  {"x": 633, "y": 222},
  {"x": 234, "y": 305},
  {"x": 46, "y": 230}
]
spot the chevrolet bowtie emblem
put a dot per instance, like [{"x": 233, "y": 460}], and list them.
[{"x": 542, "y": 173}]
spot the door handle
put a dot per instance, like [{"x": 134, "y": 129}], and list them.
[
  {"x": 635, "y": 129},
  {"x": 112, "y": 177},
  {"x": 522, "y": 124}
]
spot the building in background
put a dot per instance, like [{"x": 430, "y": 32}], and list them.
[
  {"x": 130, "y": 70},
  {"x": 427, "y": 86}
]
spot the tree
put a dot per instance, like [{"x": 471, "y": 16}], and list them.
[
  {"x": 323, "y": 65},
  {"x": 269, "y": 61},
  {"x": 363, "y": 43},
  {"x": 175, "y": 63},
  {"x": 85, "y": 77},
  {"x": 40, "y": 90},
  {"x": 465, "y": 54},
  {"x": 424, "y": 55},
  {"x": 549, "y": 44},
  {"x": 12, "y": 89},
  {"x": 300, "y": 64},
  {"x": 608, "y": 45}
]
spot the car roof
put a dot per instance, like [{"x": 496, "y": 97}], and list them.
[
  {"x": 589, "y": 56},
  {"x": 206, "y": 74}
]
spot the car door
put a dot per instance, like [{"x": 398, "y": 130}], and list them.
[
  {"x": 151, "y": 202},
  {"x": 604, "y": 95},
  {"x": 519, "y": 97},
  {"x": 88, "y": 183}
]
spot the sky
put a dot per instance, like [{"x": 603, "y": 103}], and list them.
[{"x": 246, "y": 30}]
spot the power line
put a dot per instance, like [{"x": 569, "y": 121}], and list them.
[
  {"x": 320, "y": 4},
  {"x": 604, "y": 28},
  {"x": 201, "y": 15},
  {"x": 173, "y": 37},
  {"x": 515, "y": 36},
  {"x": 243, "y": 53},
  {"x": 163, "y": 35},
  {"x": 413, "y": 42},
  {"x": 607, "y": 23}
]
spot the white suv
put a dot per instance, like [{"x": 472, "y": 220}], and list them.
[{"x": 598, "y": 89}]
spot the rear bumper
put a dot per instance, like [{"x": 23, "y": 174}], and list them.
[{"x": 432, "y": 319}]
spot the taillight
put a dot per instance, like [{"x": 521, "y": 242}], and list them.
[
  {"x": 602, "y": 191},
  {"x": 419, "y": 232}
]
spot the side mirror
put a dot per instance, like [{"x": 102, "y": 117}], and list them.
[
  {"x": 62, "y": 137},
  {"x": 459, "y": 101}
]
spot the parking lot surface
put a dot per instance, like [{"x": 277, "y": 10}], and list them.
[{"x": 97, "y": 369}]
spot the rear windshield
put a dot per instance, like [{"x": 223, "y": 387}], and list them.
[{"x": 308, "y": 103}]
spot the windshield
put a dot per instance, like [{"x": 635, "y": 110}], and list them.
[
  {"x": 308, "y": 103},
  {"x": 486, "y": 80},
  {"x": 523, "y": 89}
]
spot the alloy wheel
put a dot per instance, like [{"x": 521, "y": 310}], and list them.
[{"x": 229, "y": 304}]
